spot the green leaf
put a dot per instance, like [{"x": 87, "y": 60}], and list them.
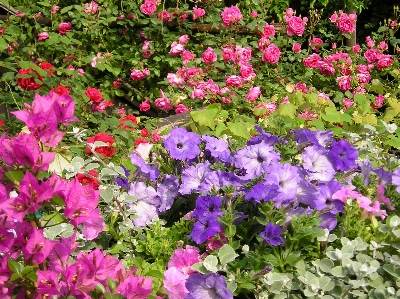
[
  {"x": 392, "y": 270},
  {"x": 288, "y": 110},
  {"x": 14, "y": 266},
  {"x": 65, "y": 9},
  {"x": 239, "y": 129},
  {"x": 338, "y": 271},
  {"x": 362, "y": 102},
  {"x": 156, "y": 274},
  {"x": 248, "y": 286},
  {"x": 3, "y": 44},
  {"x": 226, "y": 254},
  {"x": 210, "y": 263},
  {"x": 8, "y": 76},
  {"x": 200, "y": 268},
  {"x": 15, "y": 176},
  {"x": 206, "y": 117},
  {"x": 325, "y": 265}
]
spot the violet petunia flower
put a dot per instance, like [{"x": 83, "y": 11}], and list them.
[
  {"x": 272, "y": 234},
  {"x": 343, "y": 155},
  {"x": 215, "y": 146},
  {"x": 193, "y": 177},
  {"x": 143, "y": 169},
  {"x": 255, "y": 159},
  {"x": 182, "y": 144},
  {"x": 262, "y": 192},
  {"x": 167, "y": 192},
  {"x": 208, "y": 286},
  {"x": 318, "y": 164},
  {"x": 264, "y": 136},
  {"x": 396, "y": 179},
  {"x": 205, "y": 227}
]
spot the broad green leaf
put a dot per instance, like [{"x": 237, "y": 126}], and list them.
[
  {"x": 210, "y": 263},
  {"x": 226, "y": 254},
  {"x": 338, "y": 271},
  {"x": 206, "y": 117},
  {"x": 14, "y": 266},
  {"x": 239, "y": 129},
  {"x": 3, "y": 44},
  {"x": 288, "y": 110}
]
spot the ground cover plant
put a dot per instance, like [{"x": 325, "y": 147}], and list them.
[{"x": 285, "y": 184}]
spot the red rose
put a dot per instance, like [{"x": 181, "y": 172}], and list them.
[
  {"x": 64, "y": 28},
  {"x": 86, "y": 180},
  {"x": 61, "y": 90},
  {"x": 47, "y": 66},
  {"x": 94, "y": 95},
  {"x": 124, "y": 122},
  {"x": 29, "y": 83},
  {"x": 2, "y": 124},
  {"x": 105, "y": 151},
  {"x": 144, "y": 132}
]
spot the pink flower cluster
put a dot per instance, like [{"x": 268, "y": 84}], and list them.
[
  {"x": 138, "y": 75},
  {"x": 179, "y": 270},
  {"x": 149, "y": 7},
  {"x": 198, "y": 13},
  {"x": 91, "y": 8},
  {"x": 345, "y": 23},
  {"x": 231, "y": 15}
]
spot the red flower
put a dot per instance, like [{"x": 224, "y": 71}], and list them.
[
  {"x": 61, "y": 90},
  {"x": 144, "y": 132},
  {"x": 127, "y": 119},
  {"x": 105, "y": 151},
  {"x": 140, "y": 141},
  {"x": 29, "y": 83},
  {"x": 86, "y": 180},
  {"x": 2, "y": 124},
  {"x": 47, "y": 66},
  {"x": 94, "y": 95}
]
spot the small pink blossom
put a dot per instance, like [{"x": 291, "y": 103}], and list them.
[
  {"x": 20, "y": 14},
  {"x": 383, "y": 46},
  {"x": 63, "y": 28},
  {"x": 81, "y": 72},
  {"x": 149, "y": 7},
  {"x": 91, "y": 8},
  {"x": 163, "y": 103},
  {"x": 145, "y": 106},
  {"x": 164, "y": 16},
  {"x": 334, "y": 18},
  {"x": 54, "y": 9},
  {"x": 187, "y": 56},
  {"x": 70, "y": 68},
  {"x": 356, "y": 49},
  {"x": 289, "y": 12},
  {"x": 226, "y": 100},
  {"x": 9, "y": 48},
  {"x": 384, "y": 61},
  {"x": 180, "y": 108},
  {"x": 296, "y": 26},
  {"x": 253, "y": 94},
  {"x": 347, "y": 103},
  {"x": 370, "y": 42},
  {"x": 234, "y": 81},
  {"x": 183, "y": 40},
  {"x": 176, "y": 49},
  {"x": 379, "y": 101},
  {"x": 198, "y": 94},
  {"x": 198, "y": 12},
  {"x": 296, "y": 48},
  {"x": 42, "y": 36},
  {"x": 139, "y": 75},
  {"x": 269, "y": 30},
  {"x": 254, "y": 14},
  {"x": 316, "y": 42},
  {"x": 312, "y": 61},
  {"x": 344, "y": 82}
]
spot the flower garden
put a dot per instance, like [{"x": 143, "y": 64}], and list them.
[{"x": 280, "y": 179}]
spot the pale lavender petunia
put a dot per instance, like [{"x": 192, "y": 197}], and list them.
[
  {"x": 182, "y": 144},
  {"x": 167, "y": 192},
  {"x": 145, "y": 212},
  {"x": 207, "y": 286},
  {"x": 143, "y": 169},
  {"x": 145, "y": 193},
  {"x": 193, "y": 177},
  {"x": 318, "y": 164},
  {"x": 215, "y": 146},
  {"x": 255, "y": 159}
]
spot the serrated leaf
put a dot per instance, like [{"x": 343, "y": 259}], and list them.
[
  {"x": 239, "y": 129},
  {"x": 226, "y": 254},
  {"x": 288, "y": 110},
  {"x": 3, "y": 44},
  {"x": 206, "y": 117}
]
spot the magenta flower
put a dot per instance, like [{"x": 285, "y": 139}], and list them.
[
  {"x": 135, "y": 287},
  {"x": 37, "y": 248},
  {"x": 231, "y": 15}
]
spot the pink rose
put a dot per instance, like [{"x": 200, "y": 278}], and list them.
[
  {"x": 42, "y": 36},
  {"x": 384, "y": 61},
  {"x": 326, "y": 68},
  {"x": 176, "y": 80},
  {"x": 300, "y": 87},
  {"x": 345, "y": 24},
  {"x": 263, "y": 43},
  {"x": 254, "y": 14},
  {"x": 234, "y": 81},
  {"x": 334, "y": 18},
  {"x": 63, "y": 28},
  {"x": 383, "y": 46},
  {"x": 183, "y": 40},
  {"x": 364, "y": 77},
  {"x": 163, "y": 103},
  {"x": 54, "y": 9},
  {"x": 253, "y": 94},
  {"x": 379, "y": 100},
  {"x": 231, "y": 15},
  {"x": 315, "y": 43},
  {"x": 356, "y": 49},
  {"x": 180, "y": 108},
  {"x": 209, "y": 56},
  {"x": 198, "y": 94},
  {"x": 91, "y": 8},
  {"x": 296, "y": 26},
  {"x": 198, "y": 12},
  {"x": 137, "y": 75},
  {"x": 227, "y": 54},
  {"x": 187, "y": 56},
  {"x": 312, "y": 61},
  {"x": 246, "y": 71},
  {"x": 296, "y": 48},
  {"x": 370, "y": 42},
  {"x": 146, "y": 46},
  {"x": 164, "y": 16},
  {"x": 271, "y": 54},
  {"x": 176, "y": 49},
  {"x": 148, "y": 7},
  {"x": 372, "y": 55},
  {"x": 243, "y": 55},
  {"x": 226, "y": 100},
  {"x": 145, "y": 106},
  {"x": 269, "y": 30},
  {"x": 344, "y": 82},
  {"x": 146, "y": 54},
  {"x": 289, "y": 12},
  {"x": 347, "y": 103}
]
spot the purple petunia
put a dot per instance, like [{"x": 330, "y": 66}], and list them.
[
  {"x": 343, "y": 155},
  {"x": 182, "y": 144},
  {"x": 207, "y": 226},
  {"x": 143, "y": 169},
  {"x": 207, "y": 286},
  {"x": 194, "y": 176},
  {"x": 272, "y": 234},
  {"x": 318, "y": 164},
  {"x": 256, "y": 158},
  {"x": 215, "y": 146},
  {"x": 262, "y": 192}
]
